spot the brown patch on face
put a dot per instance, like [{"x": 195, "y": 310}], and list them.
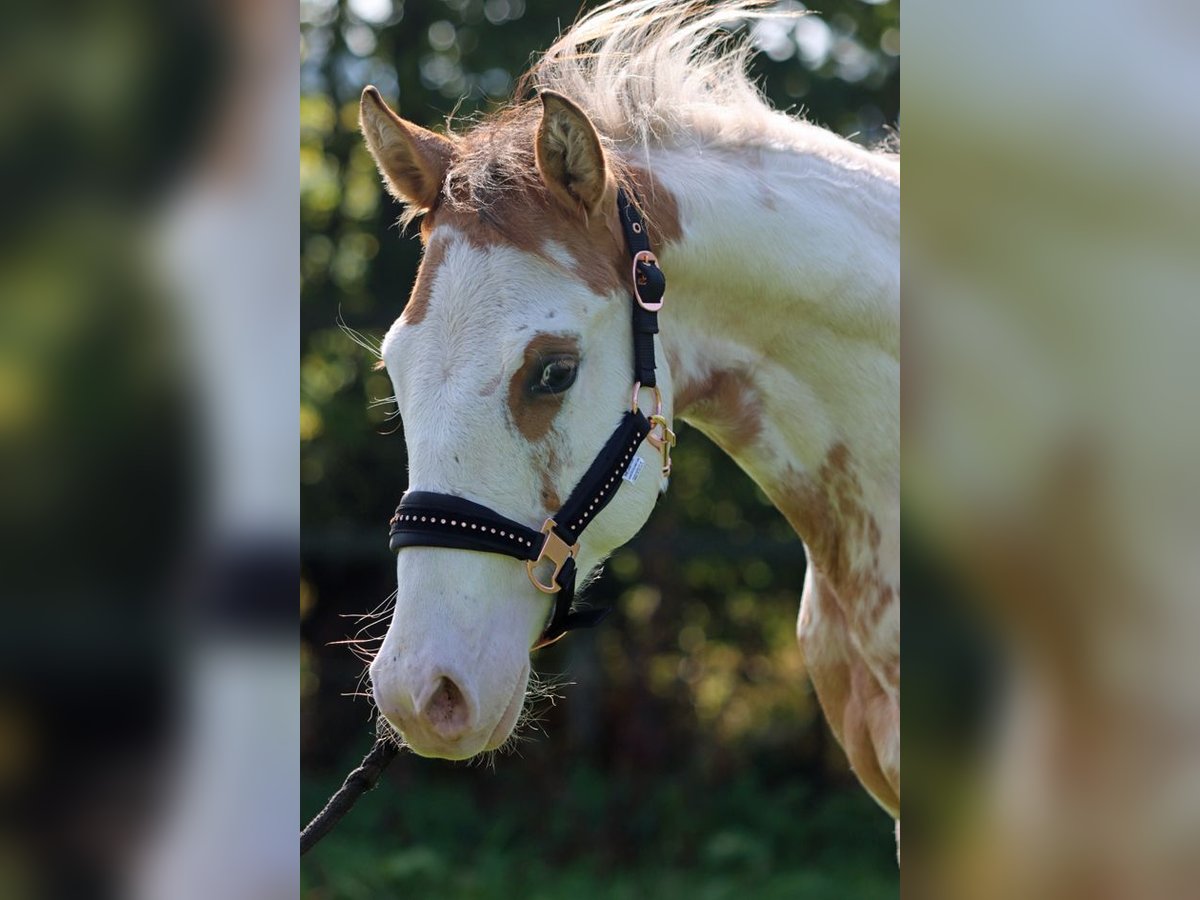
[
  {"x": 494, "y": 195},
  {"x": 727, "y": 402},
  {"x": 529, "y": 222},
  {"x": 534, "y": 414},
  {"x": 418, "y": 302},
  {"x": 549, "y": 494}
]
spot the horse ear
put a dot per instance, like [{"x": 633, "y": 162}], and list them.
[
  {"x": 412, "y": 160},
  {"x": 569, "y": 154}
]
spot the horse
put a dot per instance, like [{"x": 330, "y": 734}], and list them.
[{"x": 511, "y": 361}]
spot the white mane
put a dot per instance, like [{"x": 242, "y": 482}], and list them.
[
  {"x": 651, "y": 75},
  {"x": 673, "y": 73}
]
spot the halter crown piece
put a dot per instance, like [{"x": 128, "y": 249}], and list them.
[{"x": 426, "y": 519}]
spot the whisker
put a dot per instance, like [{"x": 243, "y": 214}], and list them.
[
  {"x": 386, "y": 731},
  {"x": 372, "y": 346},
  {"x": 364, "y": 645},
  {"x": 380, "y": 610}
]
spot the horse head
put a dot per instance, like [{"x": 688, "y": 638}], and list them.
[{"x": 511, "y": 365}]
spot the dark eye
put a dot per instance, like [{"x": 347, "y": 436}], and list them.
[{"x": 555, "y": 375}]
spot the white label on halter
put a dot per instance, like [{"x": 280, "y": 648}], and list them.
[{"x": 635, "y": 468}]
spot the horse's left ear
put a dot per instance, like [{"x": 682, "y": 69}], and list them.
[{"x": 569, "y": 155}]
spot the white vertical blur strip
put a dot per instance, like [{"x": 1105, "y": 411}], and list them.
[
  {"x": 231, "y": 247},
  {"x": 227, "y": 241},
  {"x": 229, "y": 828},
  {"x": 1051, "y": 226}
]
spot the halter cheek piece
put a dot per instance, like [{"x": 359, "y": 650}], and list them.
[{"x": 425, "y": 519}]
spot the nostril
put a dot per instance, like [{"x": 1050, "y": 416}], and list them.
[{"x": 446, "y": 710}]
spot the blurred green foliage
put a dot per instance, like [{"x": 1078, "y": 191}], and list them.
[
  {"x": 689, "y": 711},
  {"x": 445, "y": 832}
]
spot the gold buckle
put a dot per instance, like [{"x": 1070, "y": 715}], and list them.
[
  {"x": 557, "y": 551},
  {"x": 663, "y": 443},
  {"x": 647, "y": 257},
  {"x": 637, "y": 389}
]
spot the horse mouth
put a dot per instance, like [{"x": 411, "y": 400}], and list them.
[
  {"x": 512, "y": 712},
  {"x": 424, "y": 742}
]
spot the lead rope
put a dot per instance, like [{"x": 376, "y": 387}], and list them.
[{"x": 357, "y": 783}]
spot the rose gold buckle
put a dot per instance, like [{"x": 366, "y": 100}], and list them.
[
  {"x": 663, "y": 443},
  {"x": 557, "y": 551},
  {"x": 644, "y": 256},
  {"x": 637, "y": 389}
]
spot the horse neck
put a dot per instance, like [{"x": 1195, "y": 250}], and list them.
[{"x": 781, "y": 331}]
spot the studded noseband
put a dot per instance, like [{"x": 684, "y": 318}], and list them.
[{"x": 426, "y": 519}]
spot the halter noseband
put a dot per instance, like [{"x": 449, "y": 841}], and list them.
[{"x": 426, "y": 519}]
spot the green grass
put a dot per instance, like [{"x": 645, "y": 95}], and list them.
[{"x": 471, "y": 834}]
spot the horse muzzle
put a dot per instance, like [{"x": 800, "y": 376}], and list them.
[{"x": 440, "y": 714}]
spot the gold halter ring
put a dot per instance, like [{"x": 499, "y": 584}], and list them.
[
  {"x": 665, "y": 439},
  {"x": 637, "y": 389}
]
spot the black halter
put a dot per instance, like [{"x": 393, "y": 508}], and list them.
[{"x": 425, "y": 519}]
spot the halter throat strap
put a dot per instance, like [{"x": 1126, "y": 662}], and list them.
[{"x": 429, "y": 519}]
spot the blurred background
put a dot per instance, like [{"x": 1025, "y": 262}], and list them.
[
  {"x": 148, "y": 466},
  {"x": 685, "y": 753},
  {"x": 1050, "y": 438}
]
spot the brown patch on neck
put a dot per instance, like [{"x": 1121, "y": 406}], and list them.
[
  {"x": 727, "y": 403},
  {"x": 534, "y": 414},
  {"x": 843, "y": 539},
  {"x": 828, "y": 512},
  {"x": 418, "y": 302}
]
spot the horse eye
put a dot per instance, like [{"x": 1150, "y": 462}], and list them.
[{"x": 556, "y": 375}]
